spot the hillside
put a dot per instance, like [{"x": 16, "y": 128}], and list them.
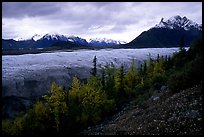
[
  {"x": 165, "y": 114},
  {"x": 162, "y": 37}
]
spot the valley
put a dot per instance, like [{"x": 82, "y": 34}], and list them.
[{"x": 65, "y": 76}]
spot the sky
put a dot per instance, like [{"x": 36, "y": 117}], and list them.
[{"x": 112, "y": 20}]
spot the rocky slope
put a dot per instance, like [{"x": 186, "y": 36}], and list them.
[{"x": 163, "y": 114}]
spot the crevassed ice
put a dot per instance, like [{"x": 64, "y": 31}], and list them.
[{"x": 13, "y": 65}]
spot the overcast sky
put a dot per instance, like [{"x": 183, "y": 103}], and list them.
[{"x": 113, "y": 20}]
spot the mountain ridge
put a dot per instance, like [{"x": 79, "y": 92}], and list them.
[
  {"x": 165, "y": 34},
  {"x": 178, "y": 22},
  {"x": 47, "y": 40},
  {"x": 168, "y": 34}
]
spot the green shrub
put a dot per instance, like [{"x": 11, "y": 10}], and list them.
[
  {"x": 6, "y": 127},
  {"x": 158, "y": 80},
  {"x": 13, "y": 127}
]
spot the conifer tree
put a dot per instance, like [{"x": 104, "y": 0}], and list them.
[
  {"x": 56, "y": 104},
  {"x": 131, "y": 79},
  {"x": 75, "y": 85},
  {"x": 94, "y": 69},
  {"x": 182, "y": 44},
  {"x": 119, "y": 81},
  {"x": 145, "y": 67},
  {"x": 158, "y": 57},
  {"x": 103, "y": 78},
  {"x": 141, "y": 70},
  {"x": 122, "y": 78},
  {"x": 110, "y": 71}
]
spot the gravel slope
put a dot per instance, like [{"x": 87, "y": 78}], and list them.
[{"x": 178, "y": 114}]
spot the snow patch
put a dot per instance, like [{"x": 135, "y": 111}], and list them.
[
  {"x": 178, "y": 22},
  {"x": 36, "y": 37}
]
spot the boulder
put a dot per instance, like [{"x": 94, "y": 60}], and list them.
[{"x": 164, "y": 88}]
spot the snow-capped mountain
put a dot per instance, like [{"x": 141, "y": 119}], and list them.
[
  {"x": 21, "y": 39},
  {"x": 81, "y": 41},
  {"x": 36, "y": 37},
  {"x": 53, "y": 39},
  {"x": 54, "y": 36},
  {"x": 77, "y": 40},
  {"x": 176, "y": 22},
  {"x": 104, "y": 41},
  {"x": 168, "y": 33}
]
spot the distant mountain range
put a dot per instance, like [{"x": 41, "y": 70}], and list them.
[
  {"x": 165, "y": 34},
  {"x": 55, "y": 39}
]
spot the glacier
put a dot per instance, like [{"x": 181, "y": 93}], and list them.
[
  {"x": 18, "y": 67},
  {"x": 81, "y": 58}
]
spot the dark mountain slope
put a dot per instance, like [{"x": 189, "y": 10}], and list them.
[
  {"x": 168, "y": 33},
  {"x": 163, "y": 37},
  {"x": 12, "y": 44}
]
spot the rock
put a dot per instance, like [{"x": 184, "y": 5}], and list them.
[
  {"x": 155, "y": 98},
  {"x": 193, "y": 114},
  {"x": 13, "y": 105},
  {"x": 121, "y": 132},
  {"x": 171, "y": 119},
  {"x": 163, "y": 88},
  {"x": 190, "y": 114}
]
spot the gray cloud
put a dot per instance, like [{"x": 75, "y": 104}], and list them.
[
  {"x": 89, "y": 19},
  {"x": 118, "y": 28},
  {"x": 28, "y": 9}
]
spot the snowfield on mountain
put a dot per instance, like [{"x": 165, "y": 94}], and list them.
[{"x": 178, "y": 22}]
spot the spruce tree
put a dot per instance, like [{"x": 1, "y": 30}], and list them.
[
  {"x": 182, "y": 44},
  {"x": 103, "y": 78},
  {"x": 145, "y": 67},
  {"x": 122, "y": 78},
  {"x": 94, "y": 69}
]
